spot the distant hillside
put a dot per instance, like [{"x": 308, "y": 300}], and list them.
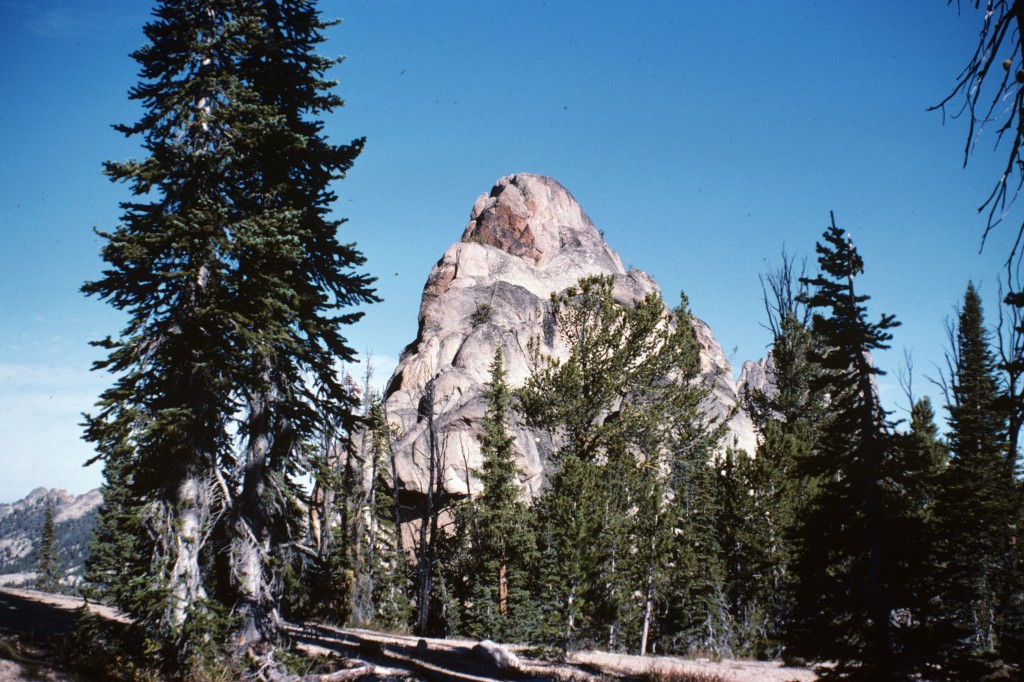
[{"x": 21, "y": 526}]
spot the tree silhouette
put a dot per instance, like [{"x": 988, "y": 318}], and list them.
[{"x": 48, "y": 562}]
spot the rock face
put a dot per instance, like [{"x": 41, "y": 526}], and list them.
[
  {"x": 756, "y": 376},
  {"x": 21, "y": 527},
  {"x": 525, "y": 239}
]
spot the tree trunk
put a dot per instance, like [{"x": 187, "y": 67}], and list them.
[
  {"x": 424, "y": 582},
  {"x": 570, "y": 623},
  {"x": 189, "y": 519},
  {"x": 188, "y": 526},
  {"x": 432, "y": 509},
  {"x": 503, "y": 587},
  {"x": 648, "y": 601},
  {"x": 428, "y": 525},
  {"x": 396, "y": 510},
  {"x": 258, "y": 608}
]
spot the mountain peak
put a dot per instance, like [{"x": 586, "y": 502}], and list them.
[
  {"x": 526, "y": 239},
  {"x": 532, "y": 217}
]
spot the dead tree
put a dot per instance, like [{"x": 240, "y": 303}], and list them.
[
  {"x": 990, "y": 90},
  {"x": 434, "y": 504}
]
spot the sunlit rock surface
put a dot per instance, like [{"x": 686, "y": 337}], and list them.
[{"x": 525, "y": 239}]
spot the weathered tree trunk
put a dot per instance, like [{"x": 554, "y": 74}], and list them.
[
  {"x": 258, "y": 603},
  {"x": 396, "y": 510},
  {"x": 188, "y": 525},
  {"x": 424, "y": 580},
  {"x": 503, "y": 587},
  {"x": 366, "y": 540},
  {"x": 570, "y": 624},
  {"x": 648, "y": 599},
  {"x": 190, "y": 517},
  {"x": 431, "y": 513},
  {"x": 425, "y": 561}
]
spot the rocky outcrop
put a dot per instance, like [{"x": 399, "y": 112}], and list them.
[
  {"x": 756, "y": 376},
  {"x": 66, "y": 507},
  {"x": 525, "y": 240},
  {"x": 21, "y": 525}
]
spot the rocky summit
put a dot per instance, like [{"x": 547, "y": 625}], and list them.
[
  {"x": 525, "y": 239},
  {"x": 21, "y": 527}
]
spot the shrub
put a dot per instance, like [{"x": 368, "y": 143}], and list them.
[{"x": 482, "y": 314}]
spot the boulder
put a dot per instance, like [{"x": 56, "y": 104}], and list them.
[{"x": 497, "y": 655}]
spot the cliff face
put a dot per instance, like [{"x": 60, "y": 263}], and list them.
[
  {"x": 21, "y": 527},
  {"x": 525, "y": 239}
]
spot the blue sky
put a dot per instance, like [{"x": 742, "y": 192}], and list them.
[{"x": 701, "y": 137}]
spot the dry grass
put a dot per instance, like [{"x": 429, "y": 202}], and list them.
[
  {"x": 670, "y": 668},
  {"x": 680, "y": 676}
]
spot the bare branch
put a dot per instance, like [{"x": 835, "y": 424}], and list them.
[
  {"x": 781, "y": 290},
  {"x": 906, "y": 378},
  {"x": 999, "y": 47}
]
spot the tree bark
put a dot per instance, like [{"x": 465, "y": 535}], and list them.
[
  {"x": 432, "y": 511},
  {"x": 188, "y": 526},
  {"x": 503, "y": 587},
  {"x": 424, "y": 562},
  {"x": 258, "y": 602},
  {"x": 648, "y": 599}
]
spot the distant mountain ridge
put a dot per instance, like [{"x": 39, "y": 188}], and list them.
[{"x": 21, "y": 527}]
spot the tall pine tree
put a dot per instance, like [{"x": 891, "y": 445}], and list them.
[
  {"x": 235, "y": 285},
  {"x": 926, "y": 456},
  {"x": 851, "y": 600},
  {"x": 788, "y": 413},
  {"x": 976, "y": 502},
  {"x": 382, "y": 579},
  {"x": 47, "y": 560},
  {"x": 499, "y": 525}
]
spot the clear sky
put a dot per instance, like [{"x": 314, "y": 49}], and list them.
[{"x": 701, "y": 137}]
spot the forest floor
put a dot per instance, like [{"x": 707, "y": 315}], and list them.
[{"x": 30, "y": 621}]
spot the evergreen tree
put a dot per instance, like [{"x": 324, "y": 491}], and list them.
[
  {"x": 335, "y": 521},
  {"x": 498, "y": 522},
  {"x": 977, "y": 501},
  {"x": 626, "y": 405},
  {"x": 321, "y": 580},
  {"x": 569, "y": 515},
  {"x": 235, "y": 286},
  {"x": 117, "y": 570},
  {"x": 788, "y": 414},
  {"x": 926, "y": 455},
  {"x": 48, "y": 571},
  {"x": 746, "y": 529},
  {"x": 852, "y": 602},
  {"x": 697, "y": 618},
  {"x": 382, "y": 573}
]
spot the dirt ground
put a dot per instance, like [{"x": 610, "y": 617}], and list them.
[
  {"x": 27, "y": 616},
  {"x": 730, "y": 669},
  {"x": 453, "y": 659}
]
